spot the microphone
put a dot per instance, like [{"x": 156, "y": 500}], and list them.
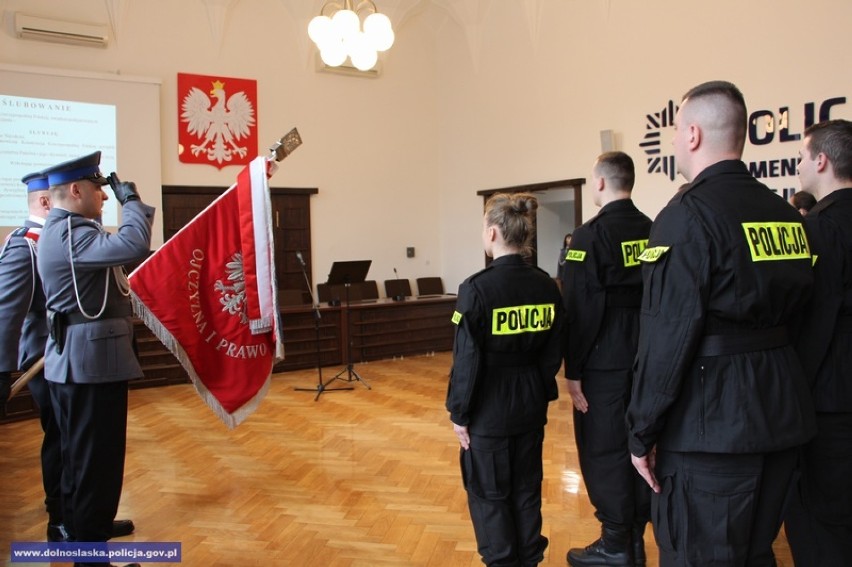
[
  {"x": 400, "y": 296},
  {"x": 300, "y": 259}
]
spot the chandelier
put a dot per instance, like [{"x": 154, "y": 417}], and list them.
[{"x": 339, "y": 34}]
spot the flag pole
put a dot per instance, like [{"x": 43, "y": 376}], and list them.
[
  {"x": 26, "y": 377},
  {"x": 278, "y": 151}
]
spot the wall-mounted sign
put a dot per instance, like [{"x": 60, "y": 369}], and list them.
[{"x": 767, "y": 130}]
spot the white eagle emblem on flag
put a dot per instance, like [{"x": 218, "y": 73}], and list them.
[
  {"x": 234, "y": 296},
  {"x": 220, "y": 125}
]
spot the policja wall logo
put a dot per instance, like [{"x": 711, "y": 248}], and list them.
[
  {"x": 765, "y": 126},
  {"x": 658, "y": 163}
]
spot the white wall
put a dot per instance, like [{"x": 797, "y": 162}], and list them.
[
  {"x": 475, "y": 94},
  {"x": 368, "y": 144},
  {"x": 531, "y": 108}
]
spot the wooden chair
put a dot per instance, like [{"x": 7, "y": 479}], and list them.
[
  {"x": 397, "y": 288},
  {"x": 430, "y": 286},
  {"x": 369, "y": 289},
  {"x": 327, "y": 292}
]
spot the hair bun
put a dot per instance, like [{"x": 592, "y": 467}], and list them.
[{"x": 524, "y": 203}]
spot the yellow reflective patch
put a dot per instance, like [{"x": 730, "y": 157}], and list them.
[
  {"x": 576, "y": 255},
  {"x": 776, "y": 241},
  {"x": 456, "y": 317},
  {"x": 631, "y": 251},
  {"x": 814, "y": 259},
  {"x": 653, "y": 253},
  {"x": 522, "y": 319}
]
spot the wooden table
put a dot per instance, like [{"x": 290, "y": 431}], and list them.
[{"x": 373, "y": 329}]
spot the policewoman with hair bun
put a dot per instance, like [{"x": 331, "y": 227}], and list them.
[{"x": 507, "y": 352}]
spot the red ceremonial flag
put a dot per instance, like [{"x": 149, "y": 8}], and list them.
[
  {"x": 209, "y": 296},
  {"x": 217, "y": 120}
]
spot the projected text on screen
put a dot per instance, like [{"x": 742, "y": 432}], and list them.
[{"x": 36, "y": 133}]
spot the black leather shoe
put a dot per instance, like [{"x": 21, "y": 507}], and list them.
[
  {"x": 597, "y": 554},
  {"x": 121, "y": 528},
  {"x": 56, "y": 533}
]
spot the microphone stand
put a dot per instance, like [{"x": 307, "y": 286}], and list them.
[
  {"x": 350, "y": 369},
  {"x": 321, "y": 386},
  {"x": 400, "y": 295}
]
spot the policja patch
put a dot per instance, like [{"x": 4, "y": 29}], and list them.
[
  {"x": 653, "y": 253},
  {"x": 521, "y": 319},
  {"x": 776, "y": 241}
]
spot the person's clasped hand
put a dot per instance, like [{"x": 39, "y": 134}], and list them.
[{"x": 463, "y": 435}]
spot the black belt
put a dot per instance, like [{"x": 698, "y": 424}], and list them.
[
  {"x": 58, "y": 322},
  {"x": 115, "y": 312},
  {"x": 510, "y": 359},
  {"x": 744, "y": 340},
  {"x": 629, "y": 301}
]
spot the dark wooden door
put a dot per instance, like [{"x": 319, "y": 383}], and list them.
[{"x": 291, "y": 222}]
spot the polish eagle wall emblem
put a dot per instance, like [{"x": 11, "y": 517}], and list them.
[{"x": 217, "y": 120}]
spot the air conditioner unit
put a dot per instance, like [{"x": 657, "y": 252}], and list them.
[{"x": 60, "y": 31}]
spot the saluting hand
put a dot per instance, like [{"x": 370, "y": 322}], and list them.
[
  {"x": 124, "y": 190},
  {"x": 645, "y": 466},
  {"x": 575, "y": 390},
  {"x": 463, "y": 435}
]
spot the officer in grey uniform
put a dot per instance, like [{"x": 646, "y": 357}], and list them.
[
  {"x": 24, "y": 333},
  {"x": 90, "y": 352}
]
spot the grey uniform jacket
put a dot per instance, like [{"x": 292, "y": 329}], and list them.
[
  {"x": 100, "y": 351},
  {"x": 23, "y": 326}
]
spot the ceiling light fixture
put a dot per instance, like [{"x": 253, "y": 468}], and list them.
[{"x": 339, "y": 34}]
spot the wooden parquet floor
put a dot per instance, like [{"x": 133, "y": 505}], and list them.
[{"x": 358, "y": 478}]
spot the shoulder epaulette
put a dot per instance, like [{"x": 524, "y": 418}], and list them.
[
  {"x": 25, "y": 232},
  {"x": 479, "y": 273},
  {"x": 542, "y": 270}
]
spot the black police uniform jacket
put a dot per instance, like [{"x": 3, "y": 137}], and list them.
[
  {"x": 603, "y": 270},
  {"x": 826, "y": 338},
  {"x": 23, "y": 331},
  {"x": 507, "y": 350},
  {"x": 725, "y": 256}
]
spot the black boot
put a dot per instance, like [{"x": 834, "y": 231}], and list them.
[
  {"x": 639, "y": 545},
  {"x": 56, "y": 532},
  {"x": 613, "y": 548}
]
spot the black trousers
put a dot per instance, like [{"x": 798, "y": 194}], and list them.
[
  {"x": 502, "y": 476},
  {"x": 718, "y": 509},
  {"x": 93, "y": 426},
  {"x": 818, "y": 522},
  {"x": 51, "y": 448},
  {"x": 620, "y": 496}
]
